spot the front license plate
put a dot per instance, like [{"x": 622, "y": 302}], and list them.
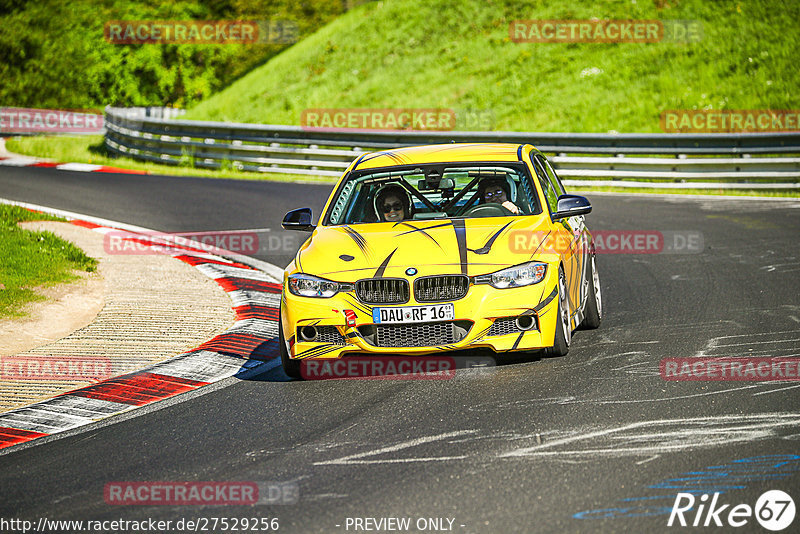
[{"x": 413, "y": 314}]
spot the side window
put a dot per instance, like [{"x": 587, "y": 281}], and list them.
[
  {"x": 527, "y": 195},
  {"x": 551, "y": 175},
  {"x": 339, "y": 212},
  {"x": 550, "y": 193}
]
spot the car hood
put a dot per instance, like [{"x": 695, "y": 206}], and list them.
[{"x": 348, "y": 253}]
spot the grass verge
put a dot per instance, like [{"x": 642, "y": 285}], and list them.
[
  {"x": 33, "y": 259},
  {"x": 90, "y": 149},
  {"x": 460, "y": 56}
]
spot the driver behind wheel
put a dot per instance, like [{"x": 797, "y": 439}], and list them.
[
  {"x": 495, "y": 191},
  {"x": 393, "y": 203}
]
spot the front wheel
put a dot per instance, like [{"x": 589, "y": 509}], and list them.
[
  {"x": 563, "y": 331},
  {"x": 290, "y": 366},
  {"x": 594, "y": 303}
]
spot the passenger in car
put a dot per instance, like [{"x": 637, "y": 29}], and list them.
[
  {"x": 392, "y": 203},
  {"x": 495, "y": 190}
]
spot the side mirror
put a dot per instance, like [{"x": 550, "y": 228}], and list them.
[
  {"x": 571, "y": 205},
  {"x": 299, "y": 219}
]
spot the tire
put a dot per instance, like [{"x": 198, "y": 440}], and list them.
[
  {"x": 290, "y": 367},
  {"x": 563, "y": 331},
  {"x": 593, "y": 311}
]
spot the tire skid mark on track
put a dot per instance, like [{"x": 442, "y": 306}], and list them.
[
  {"x": 247, "y": 348},
  {"x": 667, "y": 435},
  {"x": 358, "y": 458},
  {"x": 643, "y": 439}
]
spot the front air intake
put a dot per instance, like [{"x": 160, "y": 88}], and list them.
[
  {"x": 441, "y": 288},
  {"x": 382, "y": 291}
]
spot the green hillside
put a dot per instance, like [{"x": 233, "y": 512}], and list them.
[
  {"x": 458, "y": 55},
  {"x": 53, "y": 53}
]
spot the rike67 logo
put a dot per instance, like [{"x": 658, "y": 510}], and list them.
[{"x": 774, "y": 510}]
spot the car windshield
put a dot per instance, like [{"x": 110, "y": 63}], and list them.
[{"x": 434, "y": 192}]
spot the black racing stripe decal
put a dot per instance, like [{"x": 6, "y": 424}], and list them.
[
  {"x": 516, "y": 342},
  {"x": 358, "y": 238},
  {"x": 359, "y": 160},
  {"x": 576, "y": 283},
  {"x": 361, "y": 307},
  {"x": 481, "y": 335},
  {"x": 382, "y": 268},
  {"x": 314, "y": 321},
  {"x": 328, "y": 350},
  {"x": 464, "y": 145},
  {"x": 461, "y": 239},
  {"x": 331, "y": 273},
  {"x": 426, "y": 228},
  {"x": 313, "y": 350},
  {"x": 318, "y": 351},
  {"x": 488, "y": 246},
  {"x": 397, "y": 158},
  {"x": 367, "y": 157},
  {"x": 422, "y": 231},
  {"x": 571, "y": 281},
  {"x": 484, "y": 331},
  {"x": 546, "y": 301},
  {"x": 542, "y": 242}
]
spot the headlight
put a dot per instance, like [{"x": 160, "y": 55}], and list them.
[
  {"x": 305, "y": 285},
  {"x": 517, "y": 276}
]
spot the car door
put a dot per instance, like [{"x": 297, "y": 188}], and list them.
[{"x": 572, "y": 229}]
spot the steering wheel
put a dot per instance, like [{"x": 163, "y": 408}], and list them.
[{"x": 488, "y": 210}]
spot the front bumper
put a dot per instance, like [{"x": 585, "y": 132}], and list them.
[{"x": 344, "y": 324}]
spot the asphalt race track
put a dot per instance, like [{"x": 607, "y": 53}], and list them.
[{"x": 596, "y": 441}]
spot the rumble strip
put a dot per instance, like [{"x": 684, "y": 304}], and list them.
[{"x": 248, "y": 348}]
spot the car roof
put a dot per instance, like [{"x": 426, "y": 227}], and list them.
[{"x": 449, "y": 153}]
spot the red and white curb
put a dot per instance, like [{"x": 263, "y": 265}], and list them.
[
  {"x": 23, "y": 161},
  {"x": 248, "y": 348}
]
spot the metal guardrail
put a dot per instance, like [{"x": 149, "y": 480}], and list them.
[{"x": 743, "y": 161}]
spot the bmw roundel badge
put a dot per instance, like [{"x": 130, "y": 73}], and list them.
[{"x": 411, "y": 271}]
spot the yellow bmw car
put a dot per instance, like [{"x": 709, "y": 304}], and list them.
[{"x": 436, "y": 248}]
